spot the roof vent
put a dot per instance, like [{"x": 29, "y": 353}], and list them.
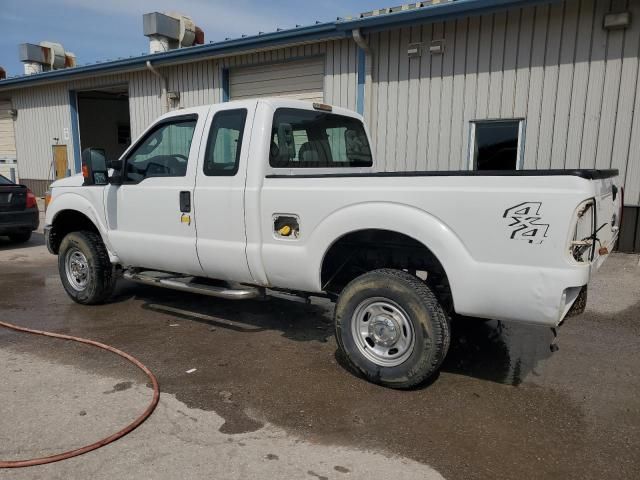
[
  {"x": 44, "y": 57},
  {"x": 168, "y": 31}
]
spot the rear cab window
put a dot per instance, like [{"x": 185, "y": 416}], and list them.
[{"x": 316, "y": 139}]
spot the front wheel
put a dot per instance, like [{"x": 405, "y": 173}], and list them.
[
  {"x": 392, "y": 328},
  {"x": 85, "y": 270}
]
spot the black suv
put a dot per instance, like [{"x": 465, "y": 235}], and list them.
[{"x": 19, "y": 214}]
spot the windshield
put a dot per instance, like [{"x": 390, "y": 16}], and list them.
[{"x": 312, "y": 139}]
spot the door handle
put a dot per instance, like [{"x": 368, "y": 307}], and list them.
[{"x": 185, "y": 202}]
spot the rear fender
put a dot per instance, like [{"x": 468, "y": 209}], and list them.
[{"x": 413, "y": 222}]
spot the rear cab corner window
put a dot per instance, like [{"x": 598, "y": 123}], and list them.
[
  {"x": 224, "y": 145},
  {"x": 314, "y": 139},
  {"x": 163, "y": 151}
]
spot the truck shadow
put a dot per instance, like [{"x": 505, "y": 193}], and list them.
[
  {"x": 294, "y": 318},
  {"x": 490, "y": 350},
  {"x": 36, "y": 240}
]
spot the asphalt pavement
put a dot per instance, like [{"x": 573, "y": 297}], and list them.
[{"x": 269, "y": 396}]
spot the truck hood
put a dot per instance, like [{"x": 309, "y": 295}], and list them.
[{"x": 73, "y": 181}]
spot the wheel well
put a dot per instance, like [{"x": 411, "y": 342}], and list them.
[
  {"x": 68, "y": 221},
  {"x": 359, "y": 252}
]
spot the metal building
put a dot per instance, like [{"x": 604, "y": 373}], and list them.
[{"x": 443, "y": 85}]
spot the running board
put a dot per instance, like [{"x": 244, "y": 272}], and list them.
[{"x": 185, "y": 284}]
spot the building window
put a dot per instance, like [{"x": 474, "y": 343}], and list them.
[{"x": 496, "y": 145}]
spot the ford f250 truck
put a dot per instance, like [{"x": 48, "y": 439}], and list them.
[{"x": 230, "y": 200}]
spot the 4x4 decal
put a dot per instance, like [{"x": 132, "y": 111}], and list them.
[{"x": 526, "y": 222}]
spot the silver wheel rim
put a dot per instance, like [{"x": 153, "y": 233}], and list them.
[
  {"x": 383, "y": 332},
  {"x": 76, "y": 268}
]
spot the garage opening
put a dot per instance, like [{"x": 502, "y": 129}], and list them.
[{"x": 104, "y": 120}]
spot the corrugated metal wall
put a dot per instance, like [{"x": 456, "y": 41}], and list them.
[{"x": 573, "y": 82}]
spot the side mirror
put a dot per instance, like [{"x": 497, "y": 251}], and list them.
[{"x": 94, "y": 167}]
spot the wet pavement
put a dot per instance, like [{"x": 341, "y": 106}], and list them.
[{"x": 503, "y": 406}]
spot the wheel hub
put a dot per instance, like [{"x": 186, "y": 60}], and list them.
[
  {"x": 77, "y": 269},
  {"x": 383, "y": 332}
]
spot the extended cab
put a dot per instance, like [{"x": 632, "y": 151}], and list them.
[{"x": 232, "y": 199}]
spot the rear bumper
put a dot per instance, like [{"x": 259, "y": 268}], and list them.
[
  {"x": 22, "y": 220},
  {"x": 540, "y": 296}
]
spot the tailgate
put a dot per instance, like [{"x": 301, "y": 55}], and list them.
[
  {"x": 608, "y": 215},
  {"x": 13, "y": 198}
]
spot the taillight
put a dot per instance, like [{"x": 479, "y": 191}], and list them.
[{"x": 32, "y": 202}]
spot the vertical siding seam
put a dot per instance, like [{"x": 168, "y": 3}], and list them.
[
  {"x": 504, "y": 49},
  {"x": 517, "y": 62},
  {"x": 464, "y": 92},
  {"x": 419, "y": 99},
  {"x": 453, "y": 76},
  {"x": 586, "y": 97},
  {"x": 555, "y": 98},
  {"x": 604, "y": 82},
  {"x": 573, "y": 73},
  {"x": 544, "y": 73}
]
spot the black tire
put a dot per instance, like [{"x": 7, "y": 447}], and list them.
[
  {"x": 20, "y": 237},
  {"x": 428, "y": 320},
  {"x": 100, "y": 276}
]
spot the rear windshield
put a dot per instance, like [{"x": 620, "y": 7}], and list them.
[
  {"x": 310, "y": 139},
  {"x": 5, "y": 181}
]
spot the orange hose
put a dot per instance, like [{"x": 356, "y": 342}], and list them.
[{"x": 101, "y": 443}]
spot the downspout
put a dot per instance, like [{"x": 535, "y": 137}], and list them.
[
  {"x": 362, "y": 43},
  {"x": 163, "y": 84}
]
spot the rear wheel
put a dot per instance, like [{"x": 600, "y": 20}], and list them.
[
  {"x": 20, "y": 237},
  {"x": 392, "y": 328},
  {"x": 85, "y": 270}
]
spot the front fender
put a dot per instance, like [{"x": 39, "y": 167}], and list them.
[{"x": 76, "y": 202}]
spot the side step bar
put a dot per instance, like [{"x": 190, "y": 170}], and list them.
[{"x": 185, "y": 284}]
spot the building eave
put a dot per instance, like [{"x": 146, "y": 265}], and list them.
[{"x": 341, "y": 28}]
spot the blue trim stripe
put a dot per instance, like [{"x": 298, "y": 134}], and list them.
[
  {"x": 225, "y": 85},
  {"x": 75, "y": 133},
  {"x": 362, "y": 59}
]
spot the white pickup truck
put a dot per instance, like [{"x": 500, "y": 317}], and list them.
[{"x": 230, "y": 200}]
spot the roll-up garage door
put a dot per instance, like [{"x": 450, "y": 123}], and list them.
[
  {"x": 7, "y": 137},
  {"x": 300, "y": 79}
]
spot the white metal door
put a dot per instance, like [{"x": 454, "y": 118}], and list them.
[
  {"x": 299, "y": 79},
  {"x": 220, "y": 190},
  {"x": 7, "y": 136},
  {"x": 147, "y": 225}
]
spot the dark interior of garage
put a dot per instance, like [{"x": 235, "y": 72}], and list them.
[{"x": 103, "y": 119}]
